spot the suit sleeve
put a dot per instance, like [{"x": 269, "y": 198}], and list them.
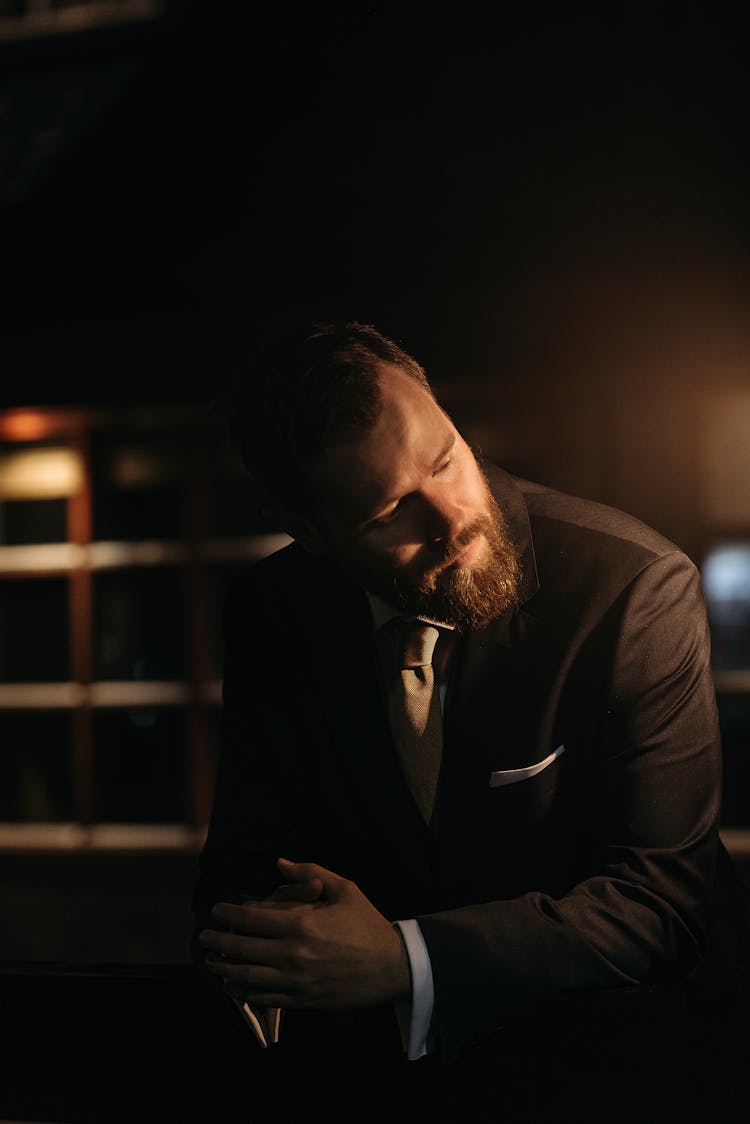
[{"x": 640, "y": 913}]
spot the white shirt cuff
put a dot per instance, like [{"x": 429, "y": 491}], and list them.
[{"x": 414, "y": 1015}]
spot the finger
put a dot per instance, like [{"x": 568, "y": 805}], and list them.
[
  {"x": 259, "y": 986},
  {"x": 306, "y": 872},
  {"x": 248, "y": 978},
  {"x": 287, "y": 904},
  {"x": 243, "y": 949},
  {"x": 260, "y": 919}
]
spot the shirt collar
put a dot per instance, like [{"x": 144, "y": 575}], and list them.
[{"x": 383, "y": 612}]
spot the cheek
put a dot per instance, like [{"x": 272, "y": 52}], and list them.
[
  {"x": 399, "y": 550},
  {"x": 475, "y": 492},
  {"x": 402, "y": 557}
]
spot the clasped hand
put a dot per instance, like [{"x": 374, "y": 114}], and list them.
[{"x": 317, "y": 943}]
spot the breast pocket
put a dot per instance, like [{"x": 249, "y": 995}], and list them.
[
  {"x": 501, "y": 777},
  {"x": 526, "y": 801}
]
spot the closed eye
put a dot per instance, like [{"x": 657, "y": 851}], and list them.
[{"x": 388, "y": 516}]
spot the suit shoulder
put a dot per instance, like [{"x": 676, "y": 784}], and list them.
[
  {"x": 587, "y": 553},
  {"x": 558, "y": 516},
  {"x": 288, "y": 586},
  {"x": 270, "y": 578}
]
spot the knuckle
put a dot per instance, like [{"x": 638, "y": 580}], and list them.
[
  {"x": 300, "y": 925},
  {"x": 299, "y": 961},
  {"x": 301, "y": 966}
]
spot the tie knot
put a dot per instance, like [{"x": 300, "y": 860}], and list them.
[{"x": 415, "y": 643}]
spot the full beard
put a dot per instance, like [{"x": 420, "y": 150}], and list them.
[{"x": 468, "y": 597}]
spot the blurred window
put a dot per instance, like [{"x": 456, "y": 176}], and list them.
[
  {"x": 32, "y": 521},
  {"x": 139, "y": 624},
  {"x": 46, "y": 472},
  {"x": 35, "y": 483},
  {"x": 138, "y": 489},
  {"x": 726, "y": 583},
  {"x": 119, "y": 533},
  {"x": 140, "y": 767},
  {"x": 34, "y": 631},
  {"x": 35, "y": 767}
]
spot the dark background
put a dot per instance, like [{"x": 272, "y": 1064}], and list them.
[{"x": 514, "y": 193}]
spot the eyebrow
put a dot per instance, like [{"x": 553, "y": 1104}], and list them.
[{"x": 375, "y": 512}]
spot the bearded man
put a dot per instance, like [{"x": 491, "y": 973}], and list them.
[{"x": 471, "y": 757}]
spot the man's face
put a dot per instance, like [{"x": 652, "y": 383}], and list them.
[{"x": 406, "y": 510}]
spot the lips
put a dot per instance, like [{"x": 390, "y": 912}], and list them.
[
  {"x": 467, "y": 554},
  {"x": 465, "y": 550}
]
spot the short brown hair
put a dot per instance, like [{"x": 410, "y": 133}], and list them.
[{"x": 303, "y": 392}]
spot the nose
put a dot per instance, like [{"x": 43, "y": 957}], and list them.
[{"x": 445, "y": 520}]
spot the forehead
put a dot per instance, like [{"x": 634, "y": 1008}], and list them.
[{"x": 353, "y": 478}]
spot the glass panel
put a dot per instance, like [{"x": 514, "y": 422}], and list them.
[
  {"x": 138, "y": 514},
  {"x": 35, "y": 767},
  {"x": 726, "y": 582},
  {"x": 140, "y": 766},
  {"x": 37, "y": 472},
  {"x": 734, "y": 712},
  {"x": 32, "y": 521},
  {"x": 34, "y": 631},
  {"x": 138, "y": 625},
  {"x": 137, "y": 490}
]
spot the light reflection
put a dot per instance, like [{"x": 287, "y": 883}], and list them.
[
  {"x": 726, "y": 582},
  {"x": 24, "y": 425},
  {"x": 35, "y": 474},
  {"x": 726, "y": 573}
]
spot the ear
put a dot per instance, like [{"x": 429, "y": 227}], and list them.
[{"x": 299, "y": 527}]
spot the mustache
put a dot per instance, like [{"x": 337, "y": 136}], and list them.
[
  {"x": 455, "y": 548},
  {"x": 446, "y": 553}
]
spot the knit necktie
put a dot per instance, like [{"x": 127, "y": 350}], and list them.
[{"x": 414, "y": 711}]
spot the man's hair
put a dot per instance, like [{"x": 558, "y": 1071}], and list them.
[{"x": 303, "y": 393}]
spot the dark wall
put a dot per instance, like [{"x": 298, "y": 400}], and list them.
[{"x": 542, "y": 194}]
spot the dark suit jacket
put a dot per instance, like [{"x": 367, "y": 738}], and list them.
[{"x": 596, "y": 872}]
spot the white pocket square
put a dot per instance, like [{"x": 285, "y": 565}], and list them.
[{"x": 511, "y": 776}]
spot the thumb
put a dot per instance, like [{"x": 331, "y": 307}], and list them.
[{"x": 329, "y": 882}]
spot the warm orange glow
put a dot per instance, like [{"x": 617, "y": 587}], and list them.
[{"x": 24, "y": 425}]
